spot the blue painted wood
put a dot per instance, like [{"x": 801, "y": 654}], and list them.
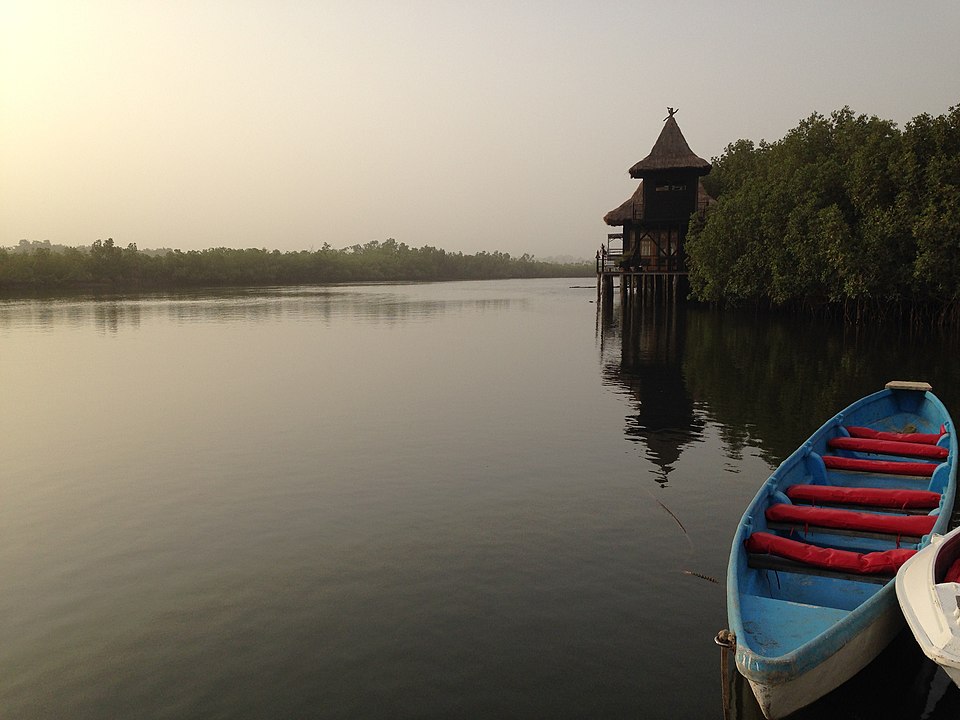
[{"x": 796, "y": 622}]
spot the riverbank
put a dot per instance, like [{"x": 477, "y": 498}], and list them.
[{"x": 106, "y": 266}]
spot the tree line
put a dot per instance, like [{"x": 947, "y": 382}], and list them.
[
  {"x": 105, "y": 264},
  {"x": 845, "y": 212}
]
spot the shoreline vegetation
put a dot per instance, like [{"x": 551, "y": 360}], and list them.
[
  {"x": 40, "y": 266},
  {"x": 846, "y": 215}
]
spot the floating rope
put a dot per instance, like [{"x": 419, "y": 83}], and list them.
[{"x": 702, "y": 576}]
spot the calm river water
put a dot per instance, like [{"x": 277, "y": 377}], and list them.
[{"x": 456, "y": 500}]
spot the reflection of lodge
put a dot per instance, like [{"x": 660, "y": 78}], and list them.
[
  {"x": 648, "y": 257},
  {"x": 650, "y": 370}
]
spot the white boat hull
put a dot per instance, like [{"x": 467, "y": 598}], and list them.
[{"x": 931, "y": 608}]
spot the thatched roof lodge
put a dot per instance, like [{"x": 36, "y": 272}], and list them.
[{"x": 655, "y": 217}]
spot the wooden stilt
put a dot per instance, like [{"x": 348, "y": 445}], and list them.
[{"x": 644, "y": 288}]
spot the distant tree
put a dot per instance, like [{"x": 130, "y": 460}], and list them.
[{"x": 106, "y": 264}]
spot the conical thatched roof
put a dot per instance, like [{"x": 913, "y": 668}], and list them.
[
  {"x": 632, "y": 209},
  {"x": 670, "y": 152}
]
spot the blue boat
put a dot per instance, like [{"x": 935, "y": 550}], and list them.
[{"x": 810, "y": 590}]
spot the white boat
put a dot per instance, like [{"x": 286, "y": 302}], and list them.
[{"x": 928, "y": 588}]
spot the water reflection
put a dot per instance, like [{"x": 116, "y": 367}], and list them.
[
  {"x": 762, "y": 384},
  {"x": 108, "y": 316},
  {"x": 302, "y": 495},
  {"x": 111, "y": 314},
  {"x": 766, "y": 381},
  {"x": 649, "y": 368}
]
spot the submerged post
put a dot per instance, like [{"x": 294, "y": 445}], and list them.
[{"x": 728, "y": 645}]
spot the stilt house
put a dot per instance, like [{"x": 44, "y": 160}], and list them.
[{"x": 656, "y": 216}]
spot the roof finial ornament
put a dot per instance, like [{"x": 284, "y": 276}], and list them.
[{"x": 671, "y": 112}]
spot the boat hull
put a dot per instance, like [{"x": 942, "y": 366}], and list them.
[
  {"x": 931, "y": 604},
  {"x": 953, "y": 674},
  {"x": 778, "y": 697}
]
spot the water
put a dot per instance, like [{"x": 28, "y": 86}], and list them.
[{"x": 405, "y": 501}]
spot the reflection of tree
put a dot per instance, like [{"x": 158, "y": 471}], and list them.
[
  {"x": 650, "y": 370},
  {"x": 362, "y": 303},
  {"x": 767, "y": 381},
  {"x": 772, "y": 380}
]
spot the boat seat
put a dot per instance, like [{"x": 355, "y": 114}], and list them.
[
  {"x": 906, "y": 528},
  {"x": 884, "y": 563},
  {"x": 922, "y": 438},
  {"x": 889, "y": 447},
  {"x": 779, "y": 564},
  {"x": 882, "y": 467},
  {"x": 921, "y": 501}
]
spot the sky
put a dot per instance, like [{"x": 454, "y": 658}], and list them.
[{"x": 469, "y": 126}]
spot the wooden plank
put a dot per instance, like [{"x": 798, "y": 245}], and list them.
[
  {"x": 820, "y": 529},
  {"x": 779, "y": 564},
  {"x": 869, "y": 508},
  {"x": 916, "y": 386}
]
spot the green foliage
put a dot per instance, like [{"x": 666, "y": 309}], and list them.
[
  {"x": 844, "y": 210},
  {"x": 40, "y": 265}
]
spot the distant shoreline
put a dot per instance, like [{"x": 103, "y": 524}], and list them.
[{"x": 106, "y": 267}]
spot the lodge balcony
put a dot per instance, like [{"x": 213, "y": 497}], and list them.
[{"x": 611, "y": 260}]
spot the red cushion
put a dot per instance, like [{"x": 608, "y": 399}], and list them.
[
  {"x": 924, "y": 438},
  {"x": 891, "y": 467},
  {"x": 917, "y": 525},
  {"x": 953, "y": 572},
  {"x": 873, "y": 563},
  {"x": 889, "y": 447},
  {"x": 877, "y": 497}
]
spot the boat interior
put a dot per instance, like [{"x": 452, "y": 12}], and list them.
[{"x": 833, "y": 524}]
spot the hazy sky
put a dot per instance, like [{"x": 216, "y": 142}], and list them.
[{"x": 464, "y": 125}]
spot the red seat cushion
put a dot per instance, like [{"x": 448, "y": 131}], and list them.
[
  {"x": 873, "y": 563},
  {"x": 953, "y": 572},
  {"x": 916, "y": 525},
  {"x": 889, "y": 447},
  {"x": 924, "y": 438},
  {"x": 875, "y": 497},
  {"x": 888, "y": 467}
]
